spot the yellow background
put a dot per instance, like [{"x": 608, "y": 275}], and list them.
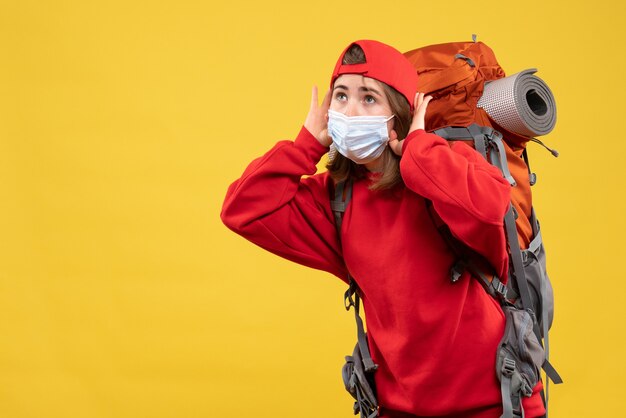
[{"x": 122, "y": 124}]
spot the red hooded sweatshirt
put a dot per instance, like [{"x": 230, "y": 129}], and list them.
[{"x": 434, "y": 341}]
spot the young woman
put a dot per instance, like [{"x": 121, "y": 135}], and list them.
[{"x": 434, "y": 341}]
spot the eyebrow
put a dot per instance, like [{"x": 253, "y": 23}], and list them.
[{"x": 362, "y": 88}]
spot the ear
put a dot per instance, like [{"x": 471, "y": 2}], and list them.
[{"x": 393, "y": 135}]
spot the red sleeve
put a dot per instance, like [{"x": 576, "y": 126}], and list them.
[
  {"x": 273, "y": 206},
  {"x": 469, "y": 194}
]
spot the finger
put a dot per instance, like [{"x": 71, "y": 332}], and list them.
[
  {"x": 418, "y": 102},
  {"x": 326, "y": 101},
  {"x": 424, "y": 105},
  {"x": 314, "y": 98},
  {"x": 420, "y": 99},
  {"x": 420, "y": 114}
]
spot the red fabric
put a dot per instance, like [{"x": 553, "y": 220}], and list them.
[
  {"x": 435, "y": 342},
  {"x": 384, "y": 63},
  {"x": 456, "y": 87}
]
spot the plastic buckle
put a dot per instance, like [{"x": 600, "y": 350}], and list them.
[
  {"x": 508, "y": 367},
  {"x": 456, "y": 271},
  {"x": 524, "y": 256},
  {"x": 499, "y": 287},
  {"x": 369, "y": 365},
  {"x": 492, "y": 135}
]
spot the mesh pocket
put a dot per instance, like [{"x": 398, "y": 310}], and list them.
[
  {"x": 540, "y": 287},
  {"x": 520, "y": 355}
]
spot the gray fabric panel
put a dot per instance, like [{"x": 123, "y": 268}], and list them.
[
  {"x": 540, "y": 287},
  {"x": 542, "y": 295},
  {"x": 452, "y": 133}
]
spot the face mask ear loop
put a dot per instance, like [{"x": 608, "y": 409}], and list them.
[{"x": 388, "y": 119}]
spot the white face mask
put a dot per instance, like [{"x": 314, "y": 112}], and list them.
[{"x": 359, "y": 138}]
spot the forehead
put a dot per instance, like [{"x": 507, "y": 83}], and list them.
[{"x": 358, "y": 80}]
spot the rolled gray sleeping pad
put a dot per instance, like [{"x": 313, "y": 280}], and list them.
[{"x": 521, "y": 103}]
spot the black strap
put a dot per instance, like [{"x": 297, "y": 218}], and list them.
[
  {"x": 532, "y": 177},
  {"x": 351, "y": 297}
]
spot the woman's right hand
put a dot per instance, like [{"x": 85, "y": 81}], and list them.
[
  {"x": 419, "y": 114},
  {"x": 317, "y": 120}
]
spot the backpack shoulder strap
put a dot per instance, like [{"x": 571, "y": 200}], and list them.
[{"x": 343, "y": 195}]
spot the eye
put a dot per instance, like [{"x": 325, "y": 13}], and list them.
[
  {"x": 340, "y": 96},
  {"x": 369, "y": 99}
]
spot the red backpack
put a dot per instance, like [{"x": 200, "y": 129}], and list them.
[{"x": 499, "y": 120}]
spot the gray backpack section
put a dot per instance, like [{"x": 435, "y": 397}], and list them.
[
  {"x": 528, "y": 300},
  {"x": 520, "y": 356}
]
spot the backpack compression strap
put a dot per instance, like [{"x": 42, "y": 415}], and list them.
[
  {"x": 343, "y": 194},
  {"x": 535, "y": 250}
]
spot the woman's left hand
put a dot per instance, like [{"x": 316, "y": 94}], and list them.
[{"x": 419, "y": 113}]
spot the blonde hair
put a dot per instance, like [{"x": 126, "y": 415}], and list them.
[{"x": 342, "y": 168}]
